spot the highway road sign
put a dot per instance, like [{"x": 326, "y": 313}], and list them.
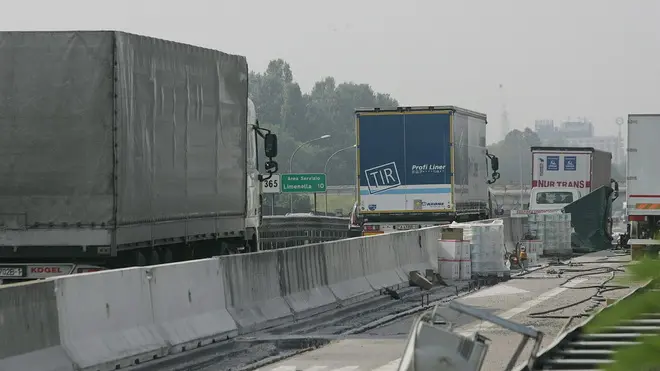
[
  {"x": 272, "y": 185},
  {"x": 303, "y": 183}
]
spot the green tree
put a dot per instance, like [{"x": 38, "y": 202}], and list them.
[
  {"x": 642, "y": 357},
  {"x": 515, "y": 155},
  {"x": 296, "y": 117}
]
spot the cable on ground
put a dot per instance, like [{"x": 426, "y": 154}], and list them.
[{"x": 597, "y": 297}]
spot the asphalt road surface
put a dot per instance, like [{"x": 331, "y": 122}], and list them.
[{"x": 518, "y": 299}]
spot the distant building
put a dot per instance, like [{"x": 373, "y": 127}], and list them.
[
  {"x": 577, "y": 128},
  {"x": 546, "y": 131},
  {"x": 611, "y": 144},
  {"x": 579, "y": 133}
]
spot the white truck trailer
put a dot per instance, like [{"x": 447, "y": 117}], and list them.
[
  {"x": 562, "y": 175},
  {"x": 643, "y": 179}
]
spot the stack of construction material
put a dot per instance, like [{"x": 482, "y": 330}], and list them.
[
  {"x": 554, "y": 229},
  {"x": 454, "y": 259},
  {"x": 466, "y": 261},
  {"x": 534, "y": 251},
  {"x": 487, "y": 248}
]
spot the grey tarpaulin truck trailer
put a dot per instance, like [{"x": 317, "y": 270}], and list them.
[{"x": 114, "y": 143}]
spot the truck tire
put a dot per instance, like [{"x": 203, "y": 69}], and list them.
[
  {"x": 251, "y": 244},
  {"x": 154, "y": 259},
  {"x": 139, "y": 260},
  {"x": 166, "y": 255}
]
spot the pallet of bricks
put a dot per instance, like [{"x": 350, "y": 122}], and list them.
[
  {"x": 486, "y": 249},
  {"x": 454, "y": 256},
  {"x": 553, "y": 230}
]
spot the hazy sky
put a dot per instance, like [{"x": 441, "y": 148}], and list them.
[{"x": 593, "y": 58}]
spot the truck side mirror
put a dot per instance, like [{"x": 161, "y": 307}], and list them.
[
  {"x": 615, "y": 186},
  {"x": 495, "y": 163},
  {"x": 270, "y": 145}
]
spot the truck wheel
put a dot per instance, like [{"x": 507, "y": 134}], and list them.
[
  {"x": 251, "y": 244},
  {"x": 225, "y": 248},
  {"x": 154, "y": 259},
  {"x": 139, "y": 259},
  {"x": 166, "y": 255}
]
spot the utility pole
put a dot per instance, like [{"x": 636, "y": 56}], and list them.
[{"x": 505, "y": 116}]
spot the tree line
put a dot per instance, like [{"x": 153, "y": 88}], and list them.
[
  {"x": 328, "y": 109},
  {"x": 297, "y": 117}
]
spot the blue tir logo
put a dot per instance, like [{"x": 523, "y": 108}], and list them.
[
  {"x": 382, "y": 177},
  {"x": 570, "y": 163},
  {"x": 552, "y": 163}
]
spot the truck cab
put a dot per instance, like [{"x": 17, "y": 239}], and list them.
[{"x": 553, "y": 198}]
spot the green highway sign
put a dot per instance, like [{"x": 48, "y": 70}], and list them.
[{"x": 303, "y": 183}]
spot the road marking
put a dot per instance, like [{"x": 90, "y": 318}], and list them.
[
  {"x": 392, "y": 366},
  {"x": 524, "y": 307},
  {"x": 496, "y": 291},
  {"x": 317, "y": 368}
]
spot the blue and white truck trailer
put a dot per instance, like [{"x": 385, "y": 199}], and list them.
[{"x": 421, "y": 166}]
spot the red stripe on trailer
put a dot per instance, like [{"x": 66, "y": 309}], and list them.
[
  {"x": 636, "y": 218},
  {"x": 645, "y": 196}
]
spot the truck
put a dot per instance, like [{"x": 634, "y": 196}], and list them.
[
  {"x": 421, "y": 166},
  {"x": 123, "y": 150},
  {"x": 643, "y": 183},
  {"x": 562, "y": 175}
]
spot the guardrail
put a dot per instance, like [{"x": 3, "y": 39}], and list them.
[
  {"x": 293, "y": 230},
  {"x": 281, "y": 231}
]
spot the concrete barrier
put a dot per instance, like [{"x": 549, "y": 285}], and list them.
[
  {"x": 114, "y": 319},
  {"x": 346, "y": 277},
  {"x": 411, "y": 252},
  {"x": 430, "y": 237},
  {"x": 380, "y": 263},
  {"x": 29, "y": 329},
  {"x": 304, "y": 280},
  {"x": 106, "y": 319},
  {"x": 252, "y": 291},
  {"x": 189, "y": 303}
]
